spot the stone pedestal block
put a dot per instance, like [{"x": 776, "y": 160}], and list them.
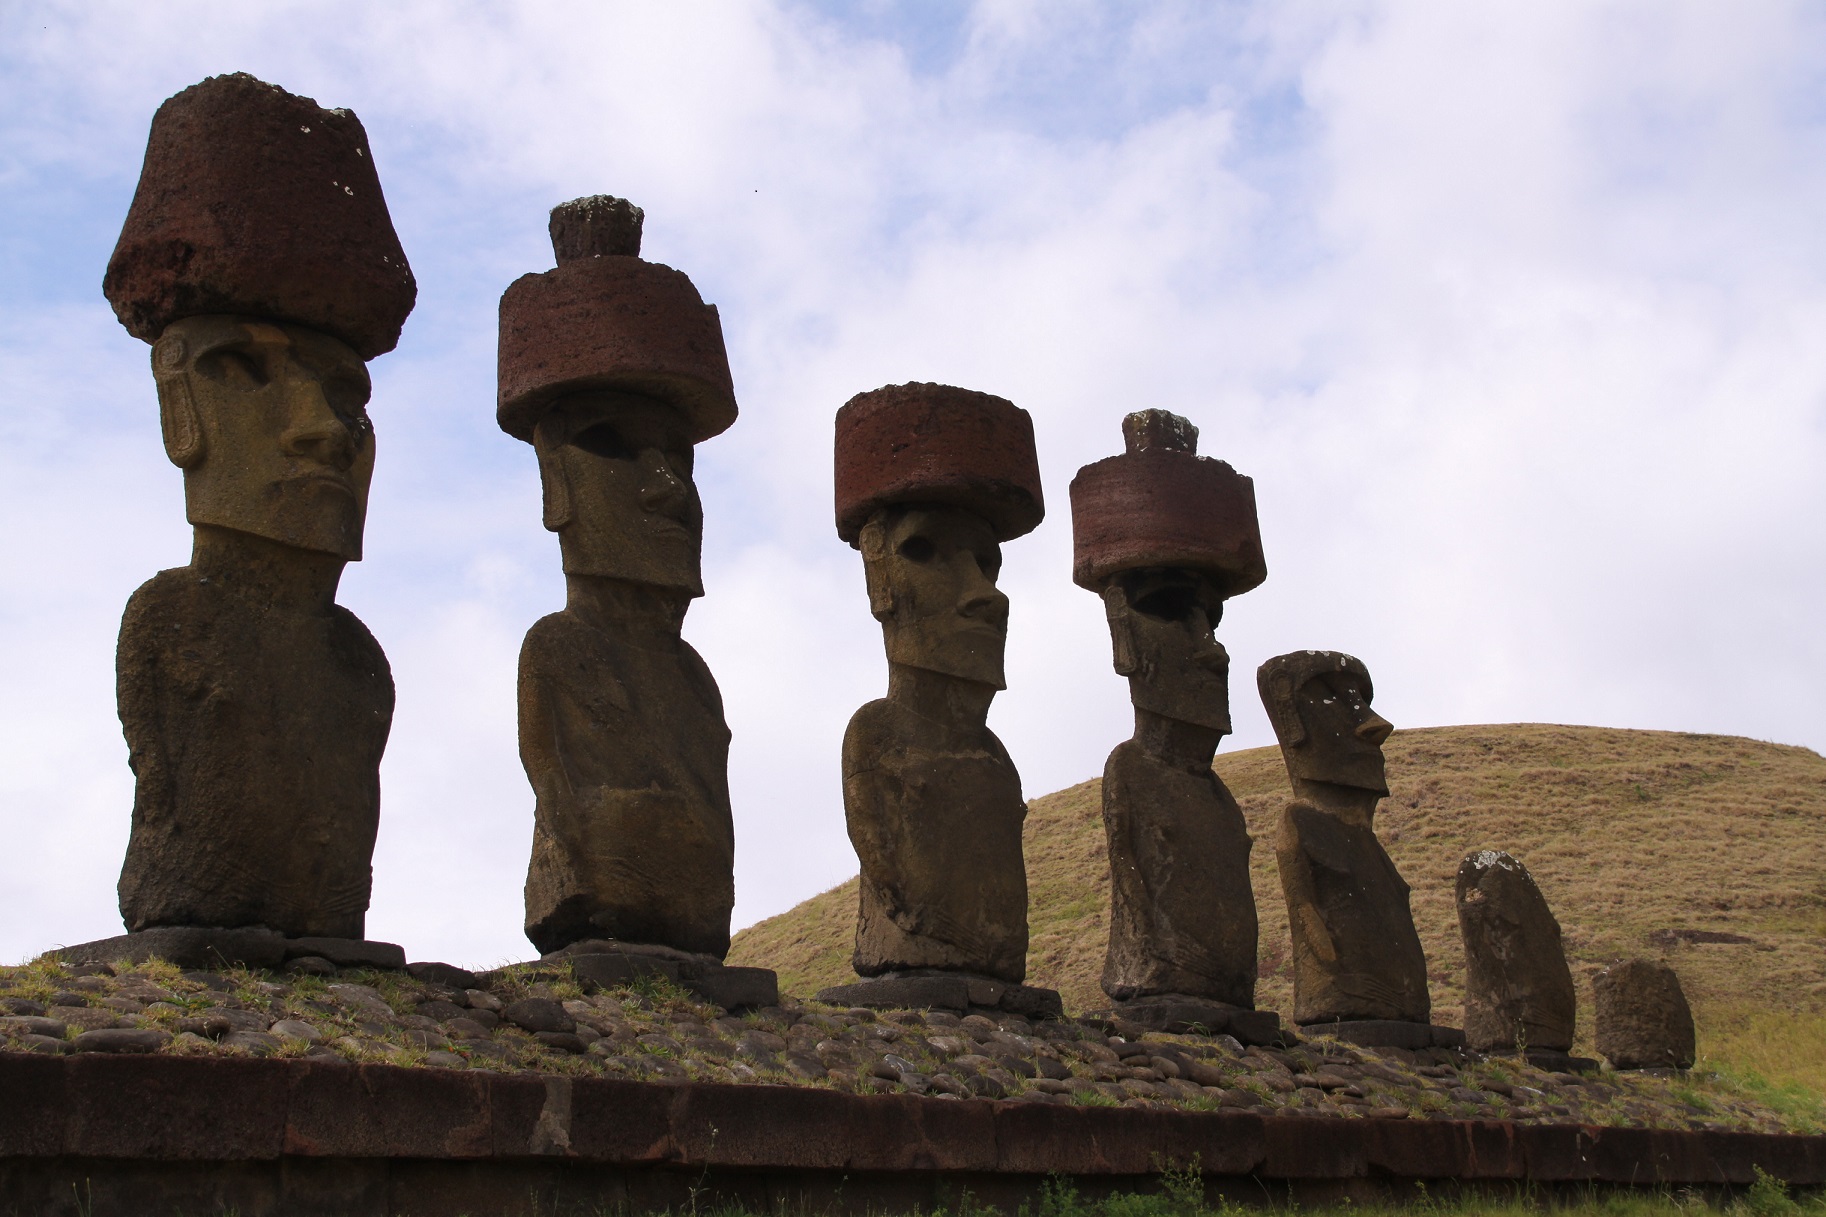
[{"x": 955, "y": 991}]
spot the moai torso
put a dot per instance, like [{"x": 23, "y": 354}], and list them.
[
  {"x": 623, "y": 738},
  {"x": 1356, "y": 954},
  {"x": 255, "y": 734},
  {"x": 1518, "y": 989},
  {"x": 1182, "y": 914},
  {"x": 935, "y": 814}
]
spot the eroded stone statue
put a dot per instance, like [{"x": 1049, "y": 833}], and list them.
[
  {"x": 259, "y": 260},
  {"x": 1356, "y": 955},
  {"x": 1165, "y": 536},
  {"x": 930, "y": 481},
  {"x": 1518, "y": 989},
  {"x": 614, "y": 368}
]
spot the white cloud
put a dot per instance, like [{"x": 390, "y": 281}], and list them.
[{"x": 1511, "y": 313}]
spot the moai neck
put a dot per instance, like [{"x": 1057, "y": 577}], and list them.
[
  {"x": 620, "y": 606},
  {"x": 264, "y": 571},
  {"x": 1350, "y": 804},
  {"x": 942, "y": 698},
  {"x": 1185, "y": 745}
]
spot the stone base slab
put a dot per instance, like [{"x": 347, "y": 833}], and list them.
[
  {"x": 959, "y": 992},
  {"x": 148, "y": 1136},
  {"x": 1179, "y": 1014},
  {"x": 1389, "y": 1033},
  {"x": 1560, "y": 1062},
  {"x": 208, "y": 947},
  {"x": 606, "y": 963}
]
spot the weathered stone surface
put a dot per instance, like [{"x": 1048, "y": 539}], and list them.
[
  {"x": 1518, "y": 989},
  {"x": 1160, "y": 504},
  {"x": 1152, "y": 544},
  {"x": 947, "y": 991},
  {"x": 1179, "y": 1013},
  {"x": 1356, "y": 954},
  {"x": 442, "y": 974},
  {"x": 1642, "y": 1017},
  {"x": 186, "y": 946},
  {"x": 256, "y": 202},
  {"x": 1389, "y": 1033},
  {"x": 940, "y": 446},
  {"x": 538, "y": 1014},
  {"x": 609, "y": 368},
  {"x": 348, "y": 952},
  {"x": 121, "y": 1039},
  {"x": 605, "y": 321}
]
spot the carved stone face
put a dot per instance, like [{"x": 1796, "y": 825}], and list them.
[
  {"x": 1161, "y": 626},
  {"x": 269, "y": 423},
  {"x": 1343, "y": 736},
  {"x": 618, "y": 491},
  {"x": 931, "y": 574}
]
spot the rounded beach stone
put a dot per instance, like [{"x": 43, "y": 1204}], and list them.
[
  {"x": 1161, "y": 504},
  {"x": 936, "y": 444},
  {"x": 538, "y": 1014},
  {"x": 122, "y": 1039},
  {"x": 610, "y": 322},
  {"x": 255, "y": 201}
]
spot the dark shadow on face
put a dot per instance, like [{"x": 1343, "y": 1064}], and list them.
[
  {"x": 619, "y": 492},
  {"x": 1162, "y": 623},
  {"x": 1344, "y": 736},
  {"x": 932, "y": 573},
  {"x": 270, "y": 425}
]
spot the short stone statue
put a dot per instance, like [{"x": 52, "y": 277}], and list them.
[
  {"x": 1356, "y": 956},
  {"x": 1518, "y": 989},
  {"x": 613, "y": 368},
  {"x": 1165, "y": 537},
  {"x": 1642, "y": 1017},
  {"x": 259, "y": 261},
  {"x": 931, "y": 480}
]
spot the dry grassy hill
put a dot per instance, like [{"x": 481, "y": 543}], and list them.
[{"x": 1635, "y": 837}]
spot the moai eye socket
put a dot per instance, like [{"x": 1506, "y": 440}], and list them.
[
  {"x": 917, "y": 548},
  {"x": 235, "y": 369},
  {"x": 603, "y": 439}
]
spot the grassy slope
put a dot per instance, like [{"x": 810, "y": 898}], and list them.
[{"x": 1626, "y": 832}]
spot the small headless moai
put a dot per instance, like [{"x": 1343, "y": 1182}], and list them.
[
  {"x": 1357, "y": 961},
  {"x": 930, "y": 481},
  {"x": 1165, "y": 537},
  {"x": 613, "y": 368},
  {"x": 259, "y": 261},
  {"x": 1518, "y": 990}
]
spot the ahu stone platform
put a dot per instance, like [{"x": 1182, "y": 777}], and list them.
[{"x": 106, "y": 1135}]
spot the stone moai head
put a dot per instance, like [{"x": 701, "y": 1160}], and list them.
[
  {"x": 1165, "y": 536},
  {"x": 613, "y": 368},
  {"x": 930, "y": 481},
  {"x": 259, "y": 260},
  {"x": 1319, "y": 703}
]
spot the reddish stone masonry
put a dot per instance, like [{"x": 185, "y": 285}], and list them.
[{"x": 145, "y": 1135}]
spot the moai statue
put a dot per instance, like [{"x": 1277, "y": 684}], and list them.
[
  {"x": 259, "y": 261},
  {"x": 1518, "y": 989},
  {"x": 1165, "y": 537},
  {"x": 1357, "y": 961},
  {"x": 1642, "y": 1017},
  {"x": 613, "y": 368},
  {"x": 930, "y": 481}
]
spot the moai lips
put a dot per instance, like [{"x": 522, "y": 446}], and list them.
[
  {"x": 930, "y": 480},
  {"x": 613, "y": 368},
  {"x": 255, "y": 202},
  {"x": 259, "y": 259},
  {"x": 1356, "y": 955},
  {"x": 1164, "y": 536},
  {"x": 1518, "y": 989}
]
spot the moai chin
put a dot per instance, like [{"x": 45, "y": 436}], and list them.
[
  {"x": 259, "y": 261},
  {"x": 613, "y": 369},
  {"x": 1165, "y": 537},
  {"x": 1356, "y": 955},
  {"x": 1519, "y": 994},
  {"x": 931, "y": 480}
]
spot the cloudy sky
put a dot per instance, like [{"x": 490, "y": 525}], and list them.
[{"x": 1515, "y": 314}]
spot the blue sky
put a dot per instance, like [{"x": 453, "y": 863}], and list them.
[{"x": 1512, "y": 313}]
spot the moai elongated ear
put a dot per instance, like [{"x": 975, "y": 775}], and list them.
[
  {"x": 1278, "y": 696},
  {"x": 873, "y": 541},
  {"x": 178, "y": 420},
  {"x": 554, "y": 482},
  {"x": 1122, "y": 630}
]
